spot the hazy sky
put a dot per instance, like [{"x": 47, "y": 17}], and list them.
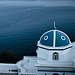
[{"x": 38, "y": 3}]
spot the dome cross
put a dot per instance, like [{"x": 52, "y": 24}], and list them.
[{"x": 54, "y": 26}]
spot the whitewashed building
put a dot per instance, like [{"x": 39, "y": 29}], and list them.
[{"x": 55, "y": 56}]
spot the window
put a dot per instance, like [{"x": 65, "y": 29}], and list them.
[
  {"x": 55, "y": 74},
  {"x": 55, "y": 56},
  {"x": 45, "y": 74},
  {"x": 62, "y": 37},
  {"x": 46, "y": 38}
]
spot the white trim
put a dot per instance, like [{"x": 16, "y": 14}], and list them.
[
  {"x": 54, "y": 40},
  {"x": 49, "y": 47},
  {"x": 46, "y": 38},
  {"x": 63, "y": 38}
]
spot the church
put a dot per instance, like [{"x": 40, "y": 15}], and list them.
[{"x": 55, "y": 56}]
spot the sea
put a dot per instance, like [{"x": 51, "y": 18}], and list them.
[{"x": 21, "y": 25}]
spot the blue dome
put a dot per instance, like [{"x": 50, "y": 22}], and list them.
[
  {"x": 54, "y": 38},
  {"x": 47, "y": 39}
]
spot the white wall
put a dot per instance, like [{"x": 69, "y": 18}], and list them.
[
  {"x": 64, "y": 55},
  {"x": 8, "y": 67},
  {"x": 42, "y": 53}
]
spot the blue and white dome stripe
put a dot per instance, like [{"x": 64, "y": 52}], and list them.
[{"x": 55, "y": 39}]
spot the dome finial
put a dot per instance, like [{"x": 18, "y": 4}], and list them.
[{"x": 54, "y": 25}]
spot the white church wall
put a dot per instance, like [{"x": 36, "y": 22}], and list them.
[
  {"x": 64, "y": 55},
  {"x": 73, "y": 50},
  {"x": 51, "y": 55},
  {"x": 47, "y": 54},
  {"x": 42, "y": 53},
  {"x": 27, "y": 65},
  {"x": 8, "y": 66},
  {"x": 68, "y": 55}
]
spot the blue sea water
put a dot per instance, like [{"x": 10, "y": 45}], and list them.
[{"x": 21, "y": 27}]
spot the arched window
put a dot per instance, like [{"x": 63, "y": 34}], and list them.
[
  {"x": 45, "y": 74},
  {"x": 55, "y": 74},
  {"x": 55, "y": 56}
]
